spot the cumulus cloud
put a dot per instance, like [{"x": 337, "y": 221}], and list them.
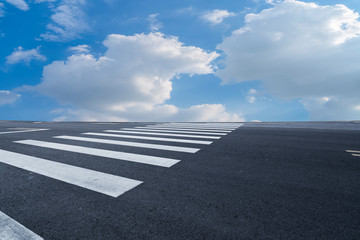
[
  {"x": 68, "y": 21},
  {"x": 251, "y": 95},
  {"x": 80, "y": 48},
  {"x": 26, "y": 56},
  {"x": 20, "y": 4},
  {"x": 2, "y": 11},
  {"x": 8, "y": 97},
  {"x": 41, "y": 1},
  {"x": 155, "y": 24},
  {"x": 216, "y": 16},
  {"x": 131, "y": 81},
  {"x": 164, "y": 112},
  {"x": 299, "y": 50},
  {"x": 273, "y": 2}
]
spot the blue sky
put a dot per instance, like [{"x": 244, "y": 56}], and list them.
[{"x": 202, "y": 60}]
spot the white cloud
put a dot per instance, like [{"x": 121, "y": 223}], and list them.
[
  {"x": 68, "y": 21},
  {"x": 252, "y": 91},
  {"x": 41, "y": 1},
  {"x": 164, "y": 112},
  {"x": 131, "y": 81},
  {"x": 251, "y": 99},
  {"x": 26, "y": 56},
  {"x": 216, "y": 16},
  {"x": 2, "y": 11},
  {"x": 299, "y": 50},
  {"x": 20, "y": 4},
  {"x": 8, "y": 97},
  {"x": 273, "y": 2},
  {"x": 80, "y": 49},
  {"x": 155, "y": 24}
]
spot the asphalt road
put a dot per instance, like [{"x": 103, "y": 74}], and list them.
[{"x": 259, "y": 181}]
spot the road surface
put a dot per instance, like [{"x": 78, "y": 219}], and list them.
[{"x": 74, "y": 180}]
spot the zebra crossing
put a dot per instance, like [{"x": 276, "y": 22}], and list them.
[
  {"x": 111, "y": 185},
  {"x": 104, "y": 183}
]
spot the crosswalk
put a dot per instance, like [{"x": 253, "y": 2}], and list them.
[
  {"x": 185, "y": 138},
  {"x": 155, "y": 136}
]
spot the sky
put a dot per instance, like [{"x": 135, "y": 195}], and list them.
[{"x": 179, "y": 60}]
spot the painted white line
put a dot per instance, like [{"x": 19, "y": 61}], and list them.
[
  {"x": 132, "y": 144},
  {"x": 131, "y": 157},
  {"x": 200, "y": 128},
  {"x": 353, "y": 151},
  {"x": 163, "y": 134},
  {"x": 356, "y": 155},
  {"x": 97, "y": 181},
  {"x": 23, "y": 131},
  {"x": 17, "y": 128},
  {"x": 150, "y": 138},
  {"x": 201, "y": 124},
  {"x": 12, "y": 230},
  {"x": 184, "y": 129},
  {"x": 193, "y": 126},
  {"x": 196, "y": 125},
  {"x": 103, "y": 123},
  {"x": 170, "y": 131}
]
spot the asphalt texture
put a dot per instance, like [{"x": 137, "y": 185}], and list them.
[{"x": 261, "y": 181}]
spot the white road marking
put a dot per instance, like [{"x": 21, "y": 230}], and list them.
[
  {"x": 12, "y": 230},
  {"x": 18, "y": 128},
  {"x": 149, "y": 138},
  {"x": 23, "y": 131},
  {"x": 200, "y": 128},
  {"x": 103, "y": 123},
  {"x": 133, "y": 144},
  {"x": 171, "y": 131},
  {"x": 203, "y": 125},
  {"x": 356, "y": 155},
  {"x": 97, "y": 181},
  {"x": 163, "y": 134},
  {"x": 194, "y": 126},
  {"x": 198, "y": 125},
  {"x": 184, "y": 129},
  {"x": 353, "y": 151},
  {"x": 131, "y": 157}
]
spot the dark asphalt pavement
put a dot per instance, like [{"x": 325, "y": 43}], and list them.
[{"x": 261, "y": 181}]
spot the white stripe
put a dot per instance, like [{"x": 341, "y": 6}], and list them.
[
  {"x": 22, "y": 131},
  {"x": 210, "y": 125},
  {"x": 131, "y": 157},
  {"x": 18, "y": 128},
  {"x": 163, "y": 134},
  {"x": 192, "y": 126},
  {"x": 353, "y": 151},
  {"x": 356, "y": 155},
  {"x": 132, "y": 144},
  {"x": 97, "y": 181},
  {"x": 184, "y": 129},
  {"x": 169, "y": 131},
  {"x": 150, "y": 138},
  {"x": 102, "y": 123},
  {"x": 12, "y": 230},
  {"x": 199, "y": 128},
  {"x": 195, "y": 125}
]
